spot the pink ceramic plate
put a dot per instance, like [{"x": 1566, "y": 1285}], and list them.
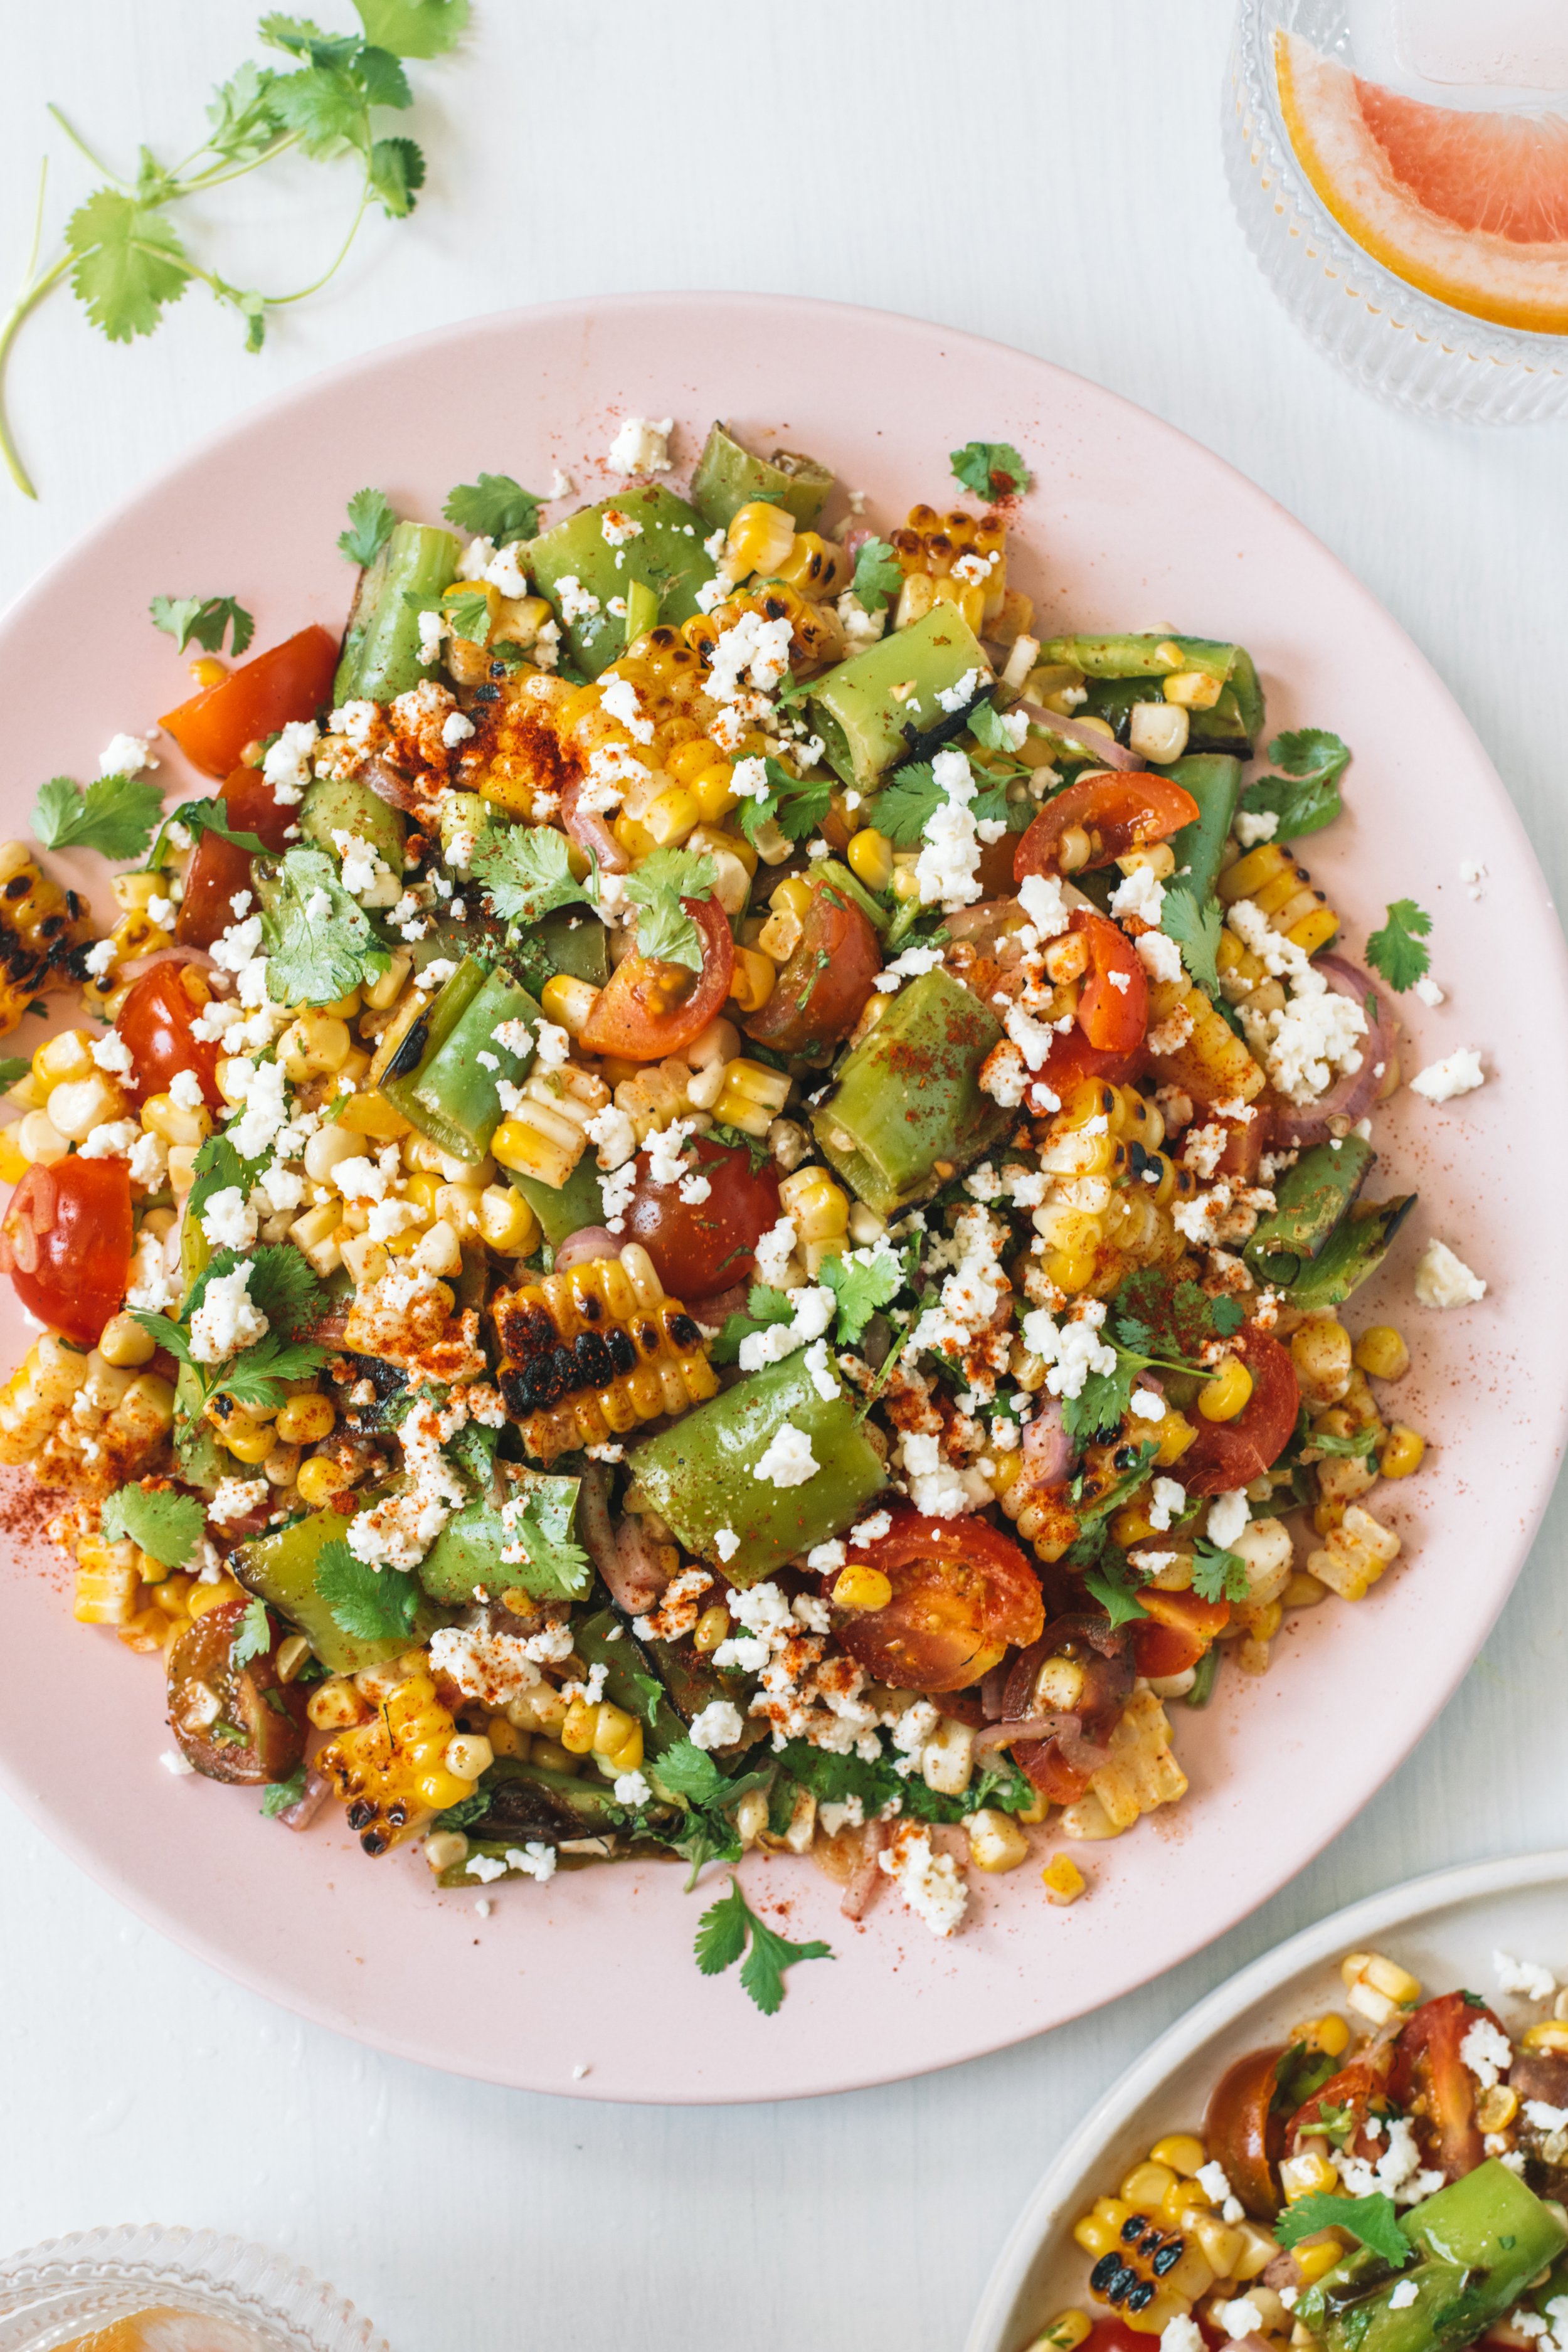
[{"x": 588, "y": 1985}]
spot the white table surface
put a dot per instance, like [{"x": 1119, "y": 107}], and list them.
[{"x": 1041, "y": 173}]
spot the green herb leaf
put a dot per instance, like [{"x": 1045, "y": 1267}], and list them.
[
  {"x": 168, "y": 1334},
  {"x": 689, "y": 1771},
  {"x": 1218, "y": 1575},
  {"x": 992, "y": 469},
  {"x": 239, "y": 111},
  {"x": 796, "y": 804},
  {"x": 862, "y": 1282},
  {"x": 370, "y": 520},
  {"x": 1373, "y": 2219},
  {"x": 527, "y": 871},
  {"x": 323, "y": 103},
  {"x": 495, "y": 507},
  {"x": 14, "y": 1068},
  {"x": 1306, "y": 797},
  {"x": 252, "y": 1636},
  {"x": 256, "y": 1378},
  {"x": 318, "y": 941},
  {"x": 397, "y": 174},
  {"x": 733, "y": 1138},
  {"x": 302, "y": 38},
  {"x": 371, "y": 1605},
  {"x": 381, "y": 77},
  {"x": 1228, "y": 1316},
  {"x": 114, "y": 815},
  {"x": 555, "y": 1565},
  {"x": 1397, "y": 951},
  {"x": 765, "y": 1306},
  {"x": 1360, "y": 1442},
  {"x": 129, "y": 263},
  {"x": 465, "y": 1812},
  {"x": 1101, "y": 1404},
  {"x": 167, "y": 1525},
  {"x": 904, "y": 808},
  {"x": 204, "y": 618},
  {"x": 1113, "y": 1593},
  {"x": 879, "y": 574},
  {"x": 413, "y": 28},
  {"x": 199, "y": 817},
  {"x": 278, "y": 1795},
  {"x": 722, "y": 1934},
  {"x": 468, "y": 612},
  {"x": 1195, "y": 925},
  {"x": 666, "y": 932}
]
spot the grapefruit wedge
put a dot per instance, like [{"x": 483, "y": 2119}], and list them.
[{"x": 1471, "y": 209}]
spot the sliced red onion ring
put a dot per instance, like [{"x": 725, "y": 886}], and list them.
[
  {"x": 1104, "y": 748},
  {"x": 993, "y": 1692},
  {"x": 303, "y": 1812},
  {"x": 1028, "y": 1727},
  {"x": 582, "y": 1248},
  {"x": 1353, "y": 1094},
  {"x": 621, "y": 1550},
  {"x": 390, "y": 784},
  {"x": 1047, "y": 1448},
  {"x": 590, "y": 832},
  {"x": 867, "y": 1873}
]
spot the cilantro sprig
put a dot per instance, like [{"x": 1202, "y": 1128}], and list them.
[
  {"x": 992, "y": 469},
  {"x": 527, "y": 871},
  {"x": 252, "y": 1636},
  {"x": 1218, "y": 1575},
  {"x": 114, "y": 814},
  {"x": 879, "y": 575},
  {"x": 1195, "y": 925},
  {"x": 1373, "y": 2219},
  {"x": 167, "y": 1525},
  {"x": 1306, "y": 795},
  {"x": 283, "y": 1286},
  {"x": 369, "y": 1605},
  {"x": 723, "y": 1933},
  {"x": 370, "y": 520},
  {"x": 796, "y": 804},
  {"x": 666, "y": 932},
  {"x": 1397, "y": 951},
  {"x": 204, "y": 619},
  {"x": 199, "y": 817},
  {"x": 903, "y": 809},
  {"x": 495, "y": 507},
  {"x": 318, "y": 942},
  {"x": 862, "y": 1283}
]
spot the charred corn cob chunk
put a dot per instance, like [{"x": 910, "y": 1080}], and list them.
[
  {"x": 816, "y": 633},
  {"x": 1147, "y": 2268},
  {"x": 660, "y": 1093},
  {"x": 587, "y": 1354},
  {"x": 956, "y": 559},
  {"x": 107, "y": 1582},
  {"x": 1197, "y": 1050},
  {"x": 392, "y": 1771},
  {"x": 40, "y": 928},
  {"x": 1108, "y": 1209},
  {"x": 547, "y": 1133},
  {"x": 1283, "y": 891}
]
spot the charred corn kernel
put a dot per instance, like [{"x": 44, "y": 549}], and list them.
[
  {"x": 39, "y": 1140},
  {"x": 506, "y": 1222},
  {"x": 758, "y": 540},
  {"x": 1064, "y": 2333},
  {"x": 1354, "y": 1554},
  {"x": 752, "y": 1096},
  {"x": 161, "y": 1115},
  {"x": 319, "y": 1479},
  {"x": 711, "y": 1628},
  {"x": 817, "y": 1205},
  {"x": 1064, "y": 1882},
  {"x": 146, "y": 1633},
  {"x": 106, "y": 1588},
  {"x": 1309, "y": 2175},
  {"x": 1283, "y": 891},
  {"x": 870, "y": 855},
  {"x": 392, "y": 1769},
  {"x": 545, "y": 1134},
  {"x": 39, "y": 925},
  {"x": 1382, "y": 1353},
  {"x": 995, "y": 1841},
  {"x": 589, "y": 1353},
  {"x": 1227, "y": 1394},
  {"x": 305, "y": 1419},
  {"x": 1158, "y": 731},
  {"x": 1185, "y": 2154},
  {"x": 754, "y": 978},
  {"x": 312, "y": 1044},
  {"x": 1377, "y": 1987},
  {"x": 1401, "y": 1451},
  {"x": 568, "y": 1002},
  {"x": 862, "y": 1587},
  {"x": 124, "y": 1343},
  {"x": 1551, "y": 2034},
  {"x": 1175, "y": 1435}
]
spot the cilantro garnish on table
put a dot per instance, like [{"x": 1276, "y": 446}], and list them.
[
  {"x": 1397, "y": 951},
  {"x": 204, "y": 620},
  {"x": 723, "y": 1933},
  {"x": 992, "y": 469},
  {"x": 113, "y": 814}
]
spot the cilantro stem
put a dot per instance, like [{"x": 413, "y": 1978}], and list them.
[
  {"x": 79, "y": 143},
  {"x": 32, "y": 294},
  {"x": 219, "y": 175}
]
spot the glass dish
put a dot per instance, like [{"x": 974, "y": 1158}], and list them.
[
  {"x": 1393, "y": 339},
  {"x": 52, "y": 2293}
]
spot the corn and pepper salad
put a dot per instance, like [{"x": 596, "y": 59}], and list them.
[
  {"x": 1389, "y": 2179},
  {"x": 711, "y": 1201}
]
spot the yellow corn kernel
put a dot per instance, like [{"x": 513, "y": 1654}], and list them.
[
  {"x": 1315, "y": 2257},
  {"x": 124, "y": 1344},
  {"x": 1175, "y": 1435},
  {"x": 671, "y": 816},
  {"x": 578, "y": 1731},
  {"x": 1064, "y": 1882},
  {"x": 14, "y": 1163},
  {"x": 335, "y": 1705},
  {"x": 995, "y": 1841},
  {"x": 161, "y": 1115},
  {"x": 1064, "y": 2333},
  {"x": 312, "y": 1044},
  {"x": 319, "y": 1479},
  {"x": 1354, "y": 1553},
  {"x": 202, "y": 1598},
  {"x": 818, "y": 1206},
  {"x": 305, "y": 1419},
  {"x": 1148, "y": 2183},
  {"x": 713, "y": 792},
  {"x": 506, "y": 1222},
  {"x": 1382, "y": 1353},
  {"x": 1182, "y": 2152},
  {"x": 752, "y": 1096},
  {"x": 759, "y": 539},
  {"x": 1193, "y": 688},
  {"x": 1225, "y": 1395},
  {"x": 468, "y": 1756},
  {"x": 1401, "y": 1451},
  {"x": 870, "y": 855},
  {"x": 106, "y": 1586},
  {"x": 1552, "y": 2033},
  {"x": 39, "y": 1140},
  {"x": 1377, "y": 1987},
  {"x": 1097, "y": 2231},
  {"x": 252, "y": 1443},
  {"x": 568, "y": 1002},
  {"x": 754, "y": 978},
  {"x": 1309, "y": 2175},
  {"x": 1329, "y": 2033},
  {"x": 67, "y": 1056},
  {"x": 862, "y": 1587},
  {"x": 711, "y": 1628}
]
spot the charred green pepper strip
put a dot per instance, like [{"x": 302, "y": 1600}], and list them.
[
  {"x": 449, "y": 1094},
  {"x": 579, "y": 1203},
  {"x": 347, "y": 805},
  {"x": 667, "y": 555},
  {"x": 1354, "y": 1251},
  {"x": 281, "y": 1567},
  {"x": 698, "y": 1474},
  {"x": 1214, "y": 781},
  {"x": 381, "y": 650},
  {"x": 1310, "y": 1199},
  {"x": 467, "y": 1554},
  {"x": 881, "y": 707},
  {"x": 730, "y": 477},
  {"x": 532, "y": 1802},
  {"x": 1241, "y": 700},
  {"x": 908, "y": 1096},
  {"x": 1477, "y": 2242},
  {"x": 577, "y": 945}
]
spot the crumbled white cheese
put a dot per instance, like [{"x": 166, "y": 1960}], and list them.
[
  {"x": 642, "y": 445},
  {"x": 235, "y": 1498},
  {"x": 1253, "y": 826},
  {"x": 1167, "y": 1501},
  {"x": 726, "y": 1542},
  {"x": 719, "y": 1725},
  {"x": 1488, "y": 2054},
  {"x": 1140, "y": 893},
  {"x": 1459, "y": 1072},
  {"x": 788, "y": 1460},
  {"x": 1443, "y": 1279},
  {"x": 126, "y": 755},
  {"x": 1072, "y": 1348},
  {"x": 112, "y": 1053},
  {"x": 1427, "y": 990},
  {"x": 186, "y": 1090},
  {"x": 112, "y": 1140},
  {"x": 225, "y": 1320},
  {"x": 1228, "y": 1514},
  {"x": 229, "y": 1221},
  {"x": 946, "y": 868},
  {"x": 908, "y": 966},
  {"x": 1528, "y": 1979},
  {"x": 494, "y": 1666},
  {"x": 960, "y": 693},
  {"x": 1239, "y": 2318},
  {"x": 936, "y": 1488},
  {"x": 928, "y": 1882},
  {"x": 286, "y": 766},
  {"x": 1043, "y": 900}
]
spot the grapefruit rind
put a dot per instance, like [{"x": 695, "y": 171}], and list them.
[{"x": 1510, "y": 283}]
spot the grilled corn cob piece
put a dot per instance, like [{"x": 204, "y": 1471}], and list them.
[
  {"x": 1353, "y": 1555},
  {"x": 1283, "y": 891},
  {"x": 587, "y": 1354},
  {"x": 1150, "y": 2269},
  {"x": 817, "y": 635},
  {"x": 547, "y": 1133},
  {"x": 1108, "y": 1210},
  {"x": 958, "y": 558},
  {"x": 79, "y": 1421},
  {"x": 1140, "y": 1774},
  {"x": 763, "y": 539},
  {"x": 1197, "y": 1050},
  {"x": 40, "y": 927},
  {"x": 392, "y": 1771}
]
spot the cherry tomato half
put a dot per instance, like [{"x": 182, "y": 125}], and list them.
[
  {"x": 1242, "y": 2131},
  {"x": 821, "y": 992},
  {"x": 1431, "y": 2082},
  {"x": 1113, "y": 1003},
  {"x": 1363, "y": 2087},
  {"x": 1103, "y": 1656},
  {"x": 650, "y": 1008},
  {"x": 963, "y": 1594},
  {"x": 1072, "y": 1057},
  {"x": 1225, "y": 1454},
  {"x": 235, "y": 1723},
  {"x": 290, "y": 681},
  {"x": 1175, "y": 1631},
  {"x": 219, "y": 870},
  {"x": 700, "y": 1248},
  {"x": 66, "y": 1242},
  {"x": 156, "y": 1023},
  {"x": 1118, "y": 812}
]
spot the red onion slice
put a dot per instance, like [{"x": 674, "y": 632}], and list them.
[
  {"x": 1027, "y": 1726},
  {"x": 303, "y": 1812},
  {"x": 1047, "y": 1448},
  {"x": 1354, "y": 1092},
  {"x": 1104, "y": 748},
  {"x": 590, "y": 832},
  {"x": 867, "y": 1873},
  {"x": 622, "y": 1551},
  {"x": 582, "y": 1248}
]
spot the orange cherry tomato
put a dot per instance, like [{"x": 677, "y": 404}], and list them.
[
  {"x": 963, "y": 1594},
  {"x": 291, "y": 681},
  {"x": 821, "y": 992},
  {"x": 1118, "y": 812},
  {"x": 66, "y": 1242},
  {"x": 156, "y": 1023},
  {"x": 1113, "y": 1003},
  {"x": 702, "y": 1247},
  {"x": 1229, "y": 1453},
  {"x": 1435, "y": 2087},
  {"x": 258, "y": 1734},
  {"x": 650, "y": 1008},
  {"x": 217, "y": 870},
  {"x": 1243, "y": 2132},
  {"x": 1176, "y": 1630}
]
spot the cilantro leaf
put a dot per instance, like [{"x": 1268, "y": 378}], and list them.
[
  {"x": 903, "y": 809},
  {"x": 527, "y": 871},
  {"x": 765, "y": 1306},
  {"x": 1361, "y": 1440},
  {"x": 862, "y": 1282},
  {"x": 1397, "y": 951},
  {"x": 203, "y": 816},
  {"x": 370, "y": 520},
  {"x": 413, "y": 28},
  {"x": 397, "y": 174},
  {"x": 721, "y": 1934},
  {"x": 381, "y": 77},
  {"x": 985, "y": 723},
  {"x": 733, "y": 1138},
  {"x": 495, "y": 507},
  {"x": 666, "y": 932},
  {"x": 166, "y": 1526},
  {"x": 468, "y": 611},
  {"x": 256, "y": 1378},
  {"x": 302, "y": 38},
  {"x": 205, "y": 619},
  {"x": 992, "y": 469},
  {"x": 318, "y": 941},
  {"x": 879, "y": 575},
  {"x": 129, "y": 262},
  {"x": 465, "y": 1812},
  {"x": 240, "y": 113},
  {"x": 252, "y": 1636},
  {"x": 1195, "y": 925},
  {"x": 283, "y": 1283},
  {"x": 1114, "y": 1596},
  {"x": 689, "y": 1771},
  {"x": 1218, "y": 1575},
  {"x": 14, "y": 1068},
  {"x": 1226, "y": 1315},
  {"x": 555, "y": 1565},
  {"x": 278, "y": 1795},
  {"x": 1373, "y": 2219},
  {"x": 371, "y": 1605},
  {"x": 1306, "y": 797},
  {"x": 1101, "y": 1404},
  {"x": 322, "y": 103},
  {"x": 796, "y": 804},
  {"x": 168, "y": 1334},
  {"x": 114, "y": 815}
]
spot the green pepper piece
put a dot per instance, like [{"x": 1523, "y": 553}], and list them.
[
  {"x": 867, "y": 724},
  {"x": 908, "y": 1096},
  {"x": 281, "y": 1567},
  {"x": 1354, "y": 1250},
  {"x": 437, "y": 1080},
  {"x": 667, "y": 556},
  {"x": 1240, "y": 705},
  {"x": 642, "y": 610},
  {"x": 575, "y": 944},
  {"x": 697, "y": 1473},
  {"x": 467, "y": 1554},
  {"x": 562, "y": 1213},
  {"x": 1311, "y": 1199},
  {"x": 1479, "y": 2242},
  {"x": 1217, "y": 728},
  {"x": 831, "y": 876},
  {"x": 1214, "y": 781},
  {"x": 381, "y": 650},
  {"x": 346, "y": 804},
  {"x": 529, "y": 1803},
  {"x": 730, "y": 477}
]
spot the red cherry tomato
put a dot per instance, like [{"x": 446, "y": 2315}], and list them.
[
  {"x": 1177, "y": 1629},
  {"x": 1118, "y": 812},
  {"x": 258, "y": 1732},
  {"x": 66, "y": 1242},
  {"x": 155, "y": 1021},
  {"x": 1103, "y": 1654},
  {"x": 1242, "y": 2131},
  {"x": 1072, "y": 1057},
  {"x": 1225, "y": 1454},
  {"x": 1114, "y": 2336},
  {"x": 821, "y": 992},
  {"x": 963, "y": 1594},
  {"x": 1363, "y": 2087},
  {"x": 219, "y": 870},
  {"x": 290, "y": 681},
  {"x": 1113, "y": 1004},
  {"x": 699, "y": 1248},
  {"x": 650, "y": 1009},
  {"x": 1431, "y": 2082}
]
